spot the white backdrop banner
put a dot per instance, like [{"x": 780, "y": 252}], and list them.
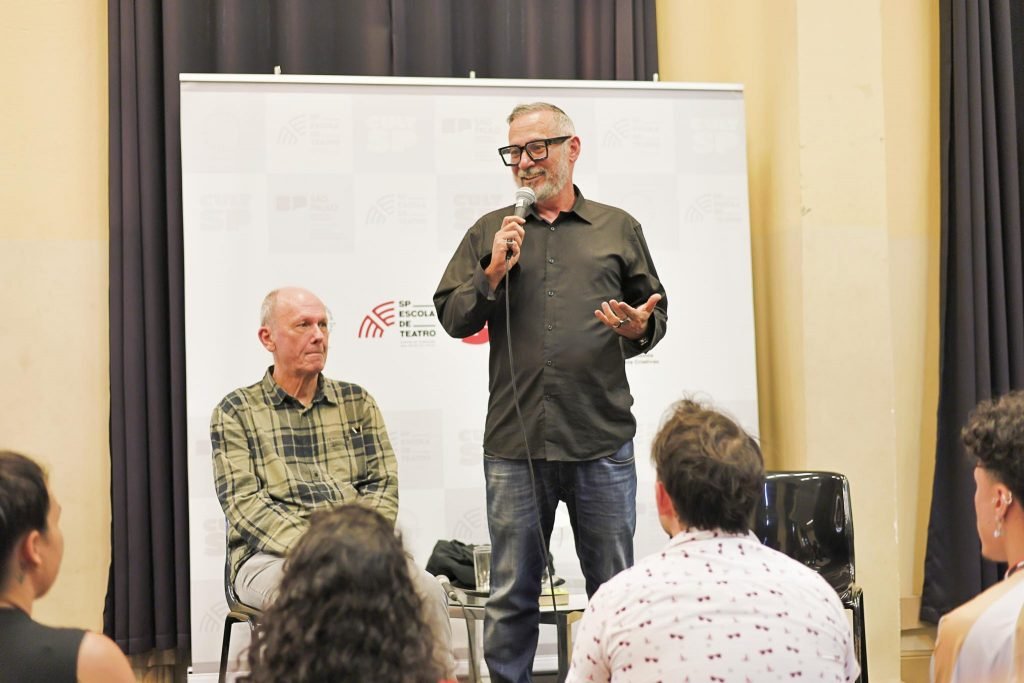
[{"x": 360, "y": 189}]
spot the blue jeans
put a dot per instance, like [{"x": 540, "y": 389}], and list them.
[{"x": 601, "y": 497}]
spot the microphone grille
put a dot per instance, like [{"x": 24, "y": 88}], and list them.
[{"x": 525, "y": 196}]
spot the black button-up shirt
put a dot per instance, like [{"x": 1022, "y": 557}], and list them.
[{"x": 570, "y": 367}]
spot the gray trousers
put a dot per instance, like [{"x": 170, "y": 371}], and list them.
[{"x": 259, "y": 577}]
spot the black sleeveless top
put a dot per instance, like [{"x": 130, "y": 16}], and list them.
[{"x": 31, "y": 652}]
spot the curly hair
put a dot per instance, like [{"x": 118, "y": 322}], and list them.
[
  {"x": 24, "y": 503},
  {"x": 994, "y": 437},
  {"x": 712, "y": 469},
  {"x": 346, "y": 610}
]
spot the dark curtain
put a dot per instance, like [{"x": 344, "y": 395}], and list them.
[
  {"x": 982, "y": 289},
  {"x": 150, "y": 43}
]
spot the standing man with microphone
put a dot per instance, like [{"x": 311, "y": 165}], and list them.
[{"x": 568, "y": 290}]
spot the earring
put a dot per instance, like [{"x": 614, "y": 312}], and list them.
[{"x": 998, "y": 531}]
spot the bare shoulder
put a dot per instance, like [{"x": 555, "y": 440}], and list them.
[{"x": 99, "y": 659}]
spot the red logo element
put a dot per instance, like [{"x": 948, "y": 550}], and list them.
[
  {"x": 374, "y": 322},
  {"x": 481, "y": 337}
]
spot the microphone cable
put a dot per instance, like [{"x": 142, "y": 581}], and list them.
[{"x": 548, "y": 561}]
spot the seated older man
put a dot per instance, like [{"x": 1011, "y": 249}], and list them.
[
  {"x": 714, "y": 604},
  {"x": 296, "y": 442}
]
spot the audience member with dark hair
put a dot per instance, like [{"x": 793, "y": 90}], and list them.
[
  {"x": 31, "y": 549},
  {"x": 346, "y": 609},
  {"x": 714, "y": 604},
  {"x": 983, "y": 640}
]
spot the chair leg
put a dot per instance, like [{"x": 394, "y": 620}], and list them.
[
  {"x": 225, "y": 647},
  {"x": 860, "y": 637}
]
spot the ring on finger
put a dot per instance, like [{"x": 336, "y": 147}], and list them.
[{"x": 622, "y": 321}]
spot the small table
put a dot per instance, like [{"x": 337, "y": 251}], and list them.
[{"x": 563, "y": 619}]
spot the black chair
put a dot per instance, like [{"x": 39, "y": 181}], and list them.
[
  {"x": 806, "y": 515},
  {"x": 237, "y": 612}
]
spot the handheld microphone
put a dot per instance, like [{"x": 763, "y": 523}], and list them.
[
  {"x": 451, "y": 592},
  {"x": 525, "y": 197}
]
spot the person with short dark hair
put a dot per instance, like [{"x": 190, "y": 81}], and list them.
[
  {"x": 31, "y": 550},
  {"x": 714, "y": 604},
  {"x": 346, "y": 609},
  {"x": 983, "y": 639}
]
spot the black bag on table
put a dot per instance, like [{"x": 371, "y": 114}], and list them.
[{"x": 454, "y": 559}]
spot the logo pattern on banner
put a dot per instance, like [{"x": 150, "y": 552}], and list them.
[
  {"x": 716, "y": 207},
  {"x": 472, "y": 524},
  {"x": 391, "y": 133},
  {"x": 633, "y": 132},
  {"x": 399, "y": 208},
  {"x": 315, "y": 129},
  {"x": 382, "y": 315},
  {"x": 417, "y": 323}
]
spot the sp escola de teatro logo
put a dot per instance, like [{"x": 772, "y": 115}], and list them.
[{"x": 414, "y": 321}]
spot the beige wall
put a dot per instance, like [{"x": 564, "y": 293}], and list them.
[
  {"x": 911, "y": 81},
  {"x": 842, "y": 102},
  {"x": 53, "y": 259}
]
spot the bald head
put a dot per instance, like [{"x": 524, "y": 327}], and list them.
[
  {"x": 285, "y": 295},
  {"x": 294, "y": 327}
]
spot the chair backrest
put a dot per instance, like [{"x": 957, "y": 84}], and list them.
[
  {"x": 237, "y": 612},
  {"x": 807, "y": 516},
  {"x": 229, "y": 588},
  {"x": 236, "y": 607}
]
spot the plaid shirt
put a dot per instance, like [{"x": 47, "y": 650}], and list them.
[{"x": 275, "y": 461}]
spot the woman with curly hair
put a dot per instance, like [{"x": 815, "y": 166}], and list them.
[
  {"x": 983, "y": 640},
  {"x": 346, "y": 610}
]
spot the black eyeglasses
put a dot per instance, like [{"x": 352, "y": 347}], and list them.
[{"x": 537, "y": 150}]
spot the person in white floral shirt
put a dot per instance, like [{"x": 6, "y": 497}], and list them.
[{"x": 714, "y": 604}]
